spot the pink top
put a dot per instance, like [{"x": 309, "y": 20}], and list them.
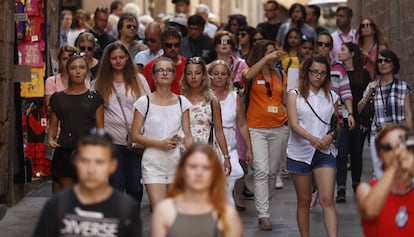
[
  {"x": 373, "y": 55},
  {"x": 54, "y": 84}
]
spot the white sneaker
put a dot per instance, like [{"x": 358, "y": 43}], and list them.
[
  {"x": 279, "y": 182},
  {"x": 315, "y": 198}
]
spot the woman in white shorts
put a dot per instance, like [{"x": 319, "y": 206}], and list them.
[{"x": 161, "y": 123}]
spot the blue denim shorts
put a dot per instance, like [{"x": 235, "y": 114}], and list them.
[{"x": 319, "y": 160}]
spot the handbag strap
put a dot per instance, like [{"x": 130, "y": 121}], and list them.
[
  {"x": 210, "y": 137},
  {"x": 315, "y": 111},
  {"x": 118, "y": 98}
]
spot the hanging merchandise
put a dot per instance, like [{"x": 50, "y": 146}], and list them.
[
  {"x": 32, "y": 53},
  {"x": 36, "y": 87}
]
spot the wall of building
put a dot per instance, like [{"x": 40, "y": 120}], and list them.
[
  {"x": 397, "y": 19},
  {"x": 7, "y": 115}
]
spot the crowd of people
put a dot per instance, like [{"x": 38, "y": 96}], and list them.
[{"x": 205, "y": 101}]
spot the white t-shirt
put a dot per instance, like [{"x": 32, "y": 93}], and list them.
[
  {"x": 162, "y": 121},
  {"x": 300, "y": 149}
]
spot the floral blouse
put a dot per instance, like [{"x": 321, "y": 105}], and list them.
[{"x": 200, "y": 119}]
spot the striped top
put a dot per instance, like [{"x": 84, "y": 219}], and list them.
[{"x": 340, "y": 84}]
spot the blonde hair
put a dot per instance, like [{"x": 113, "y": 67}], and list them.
[
  {"x": 205, "y": 84},
  {"x": 229, "y": 81}
]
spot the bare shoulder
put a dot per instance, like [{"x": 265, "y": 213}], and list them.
[{"x": 165, "y": 210}]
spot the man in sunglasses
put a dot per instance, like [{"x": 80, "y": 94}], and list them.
[
  {"x": 171, "y": 44},
  {"x": 127, "y": 31},
  {"x": 152, "y": 40},
  {"x": 344, "y": 33},
  {"x": 100, "y": 18},
  {"x": 196, "y": 43}
]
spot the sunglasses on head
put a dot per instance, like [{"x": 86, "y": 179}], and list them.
[
  {"x": 84, "y": 48},
  {"x": 170, "y": 45},
  {"x": 325, "y": 44},
  {"x": 149, "y": 40},
  {"x": 366, "y": 25},
  {"x": 383, "y": 60},
  {"x": 131, "y": 26},
  {"x": 102, "y": 9},
  {"x": 195, "y": 60},
  {"x": 79, "y": 54}
]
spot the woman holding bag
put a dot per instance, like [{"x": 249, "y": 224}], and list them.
[
  {"x": 164, "y": 119},
  {"x": 121, "y": 85}
]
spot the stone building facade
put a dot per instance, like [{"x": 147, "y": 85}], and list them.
[{"x": 396, "y": 17}]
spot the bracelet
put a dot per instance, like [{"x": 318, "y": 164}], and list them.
[{"x": 226, "y": 157}]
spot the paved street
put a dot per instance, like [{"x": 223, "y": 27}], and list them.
[{"x": 20, "y": 219}]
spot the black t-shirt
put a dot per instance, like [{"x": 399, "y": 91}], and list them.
[
  {"x": 76, "y": 114},
  {"x": 358, "y": 86},
  {"x": 198, "y": 48},
  {"x": 270, "y": 29},
  {"x": 64, "y": 215},
  {"x": 101, "y": 42}
]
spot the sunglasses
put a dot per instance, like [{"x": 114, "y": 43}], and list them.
[
  {"x": 384, "y": 60},
  {"x": 268, "y": 90},
  {"x": 161, "y": 71},
  {"x": 304, "y": 38},
  {"x": 325, "y": 44},
  {"x": 316, "y": 73},
  {"x": 170, "y": 45},
  {"x": 195, "y": 60},
  {"x": 366, "y": 25},
  {"x": 387, "y": 147},
  {"x": 257, "y": 39},
  {"x": 84, "y": 48},
  {"x": 225, "y": 41},
  {"x": 131, "y": 26},
  {"x": 78, "y": 54},
  {"x": 149, "y": 40},
  {"x": 242, "y": 34}
]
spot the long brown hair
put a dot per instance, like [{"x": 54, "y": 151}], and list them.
[
  {"x": 379, "y": 35},
  {"x": 104, "y": 78},
  {"x": 304, "y": 76},
  {"x": 218, "y": 185}
]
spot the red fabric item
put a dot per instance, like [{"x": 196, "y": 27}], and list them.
[
  {"x": 36, "y": 125},
  {"x": 179, "y": 71},
  {"x": 33, "y": 30},
  {"x": 384, "y": 224},
  {"x": 40, "y": 163}
]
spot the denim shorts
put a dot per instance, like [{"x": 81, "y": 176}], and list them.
[{"x": 319, "y": 160}]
